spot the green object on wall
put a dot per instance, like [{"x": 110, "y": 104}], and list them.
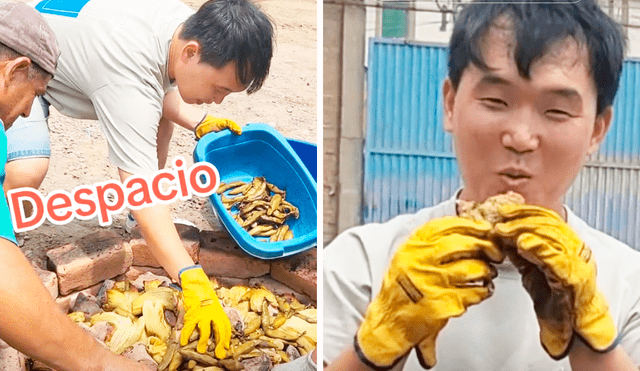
[{"x": 394, "y": 23}]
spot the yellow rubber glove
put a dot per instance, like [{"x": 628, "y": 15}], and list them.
[
  {"x": 203, "y": 309},
  {"x": 560, "y": 275},
  {"x": 443, "y": 268},
  {"x": 210, "y": 123}
]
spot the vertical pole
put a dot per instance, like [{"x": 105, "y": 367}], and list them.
[
  {"x": 332, "y": 97},
  {"x": 625, "y": 16},
  {"x": 351, "y": 157}
]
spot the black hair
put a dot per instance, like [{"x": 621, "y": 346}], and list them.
[
  {"x": 537, "y": 27},
  {"x": 34, "y": 70},
  {"x": 234, "y": 31}
]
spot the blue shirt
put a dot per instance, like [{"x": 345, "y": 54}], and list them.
[{"x": 6, "y": 227}]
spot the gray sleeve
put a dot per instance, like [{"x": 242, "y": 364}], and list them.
[
  {"x": 129, "y": 115},
  {"x": 346, "y": 292}
]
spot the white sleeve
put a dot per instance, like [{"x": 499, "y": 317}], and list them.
[
  {"x": 347, "y": 292},
  {"x": 629, "y": 330}
]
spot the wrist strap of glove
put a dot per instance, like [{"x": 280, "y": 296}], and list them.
[
  {"x": 366, "y": 361},
  {"x": 607, "y": 350},
  {"x": 196, "y": 266},
  {"x": 195, "y": 130}
]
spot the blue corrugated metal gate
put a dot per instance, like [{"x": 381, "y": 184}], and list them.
[{"x": 409, "y": 161}]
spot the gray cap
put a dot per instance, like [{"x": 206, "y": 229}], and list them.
[{"x": 24, "y": 30}]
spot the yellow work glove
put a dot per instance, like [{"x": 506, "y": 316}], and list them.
[
  {"x": 203, "y": 309},
  {"x": 443, "y": 268},
  {"x": 210, "y": 123},
  {"x": 559, "y": 273}
]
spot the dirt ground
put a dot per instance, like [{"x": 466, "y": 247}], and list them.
[{"x": 287, "y": 101}]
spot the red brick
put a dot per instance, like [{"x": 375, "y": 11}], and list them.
[
  {"x": 221, "y": 257},
  {"x": 142, "y": 255},
  {"x": 49, "y": 280},
  {"x": 89, "y": 260},
  {"x": 300, "y": 272}
]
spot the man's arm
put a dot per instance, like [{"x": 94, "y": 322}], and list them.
[
  {"x": 161, "y": 236},
  {"x": 584, "y": 358},
  {"x": 202, "y": 306},
  {"x": 581, "y": 357},
  {"x": 33, "y": 324},
  {"x": 346, "y": 294},
  {"x": 176, "y": 110},
  {"x": 348, "y": 360}
]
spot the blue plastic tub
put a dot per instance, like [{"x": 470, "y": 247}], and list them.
[
  {"x": 263, "y": 151},
  {"x": 308, "y": 153}
]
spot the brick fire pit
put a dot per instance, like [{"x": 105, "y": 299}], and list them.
[{"x": 78, "y": 269}]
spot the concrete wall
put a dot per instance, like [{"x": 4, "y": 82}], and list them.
[
  {"x": 343, "y": 121},
  {"x": 332, "y": 77}
]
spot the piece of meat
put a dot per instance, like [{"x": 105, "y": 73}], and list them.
[{"x": 488, "y": 210}]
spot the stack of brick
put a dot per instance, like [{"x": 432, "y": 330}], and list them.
[
  {"x": 221, "y": 257},
  {"x": 82, "y": 266},
  {"x": 78, "y": 270}
]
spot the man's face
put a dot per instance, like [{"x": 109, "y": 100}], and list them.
[
  {"x": 17, "y": 91},
  {"x": 200, "y": 83},
  {"x": 532, "y": 135}
]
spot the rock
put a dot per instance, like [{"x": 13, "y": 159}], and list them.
[
  {"x": 12, "y": 360},
  {"x": 86, "y": 303},
  {"x": 237, "y": 324},
  {"x": 138, "y": 352},
  {"x": 262, "y": 363},
  {"x": 170, "y": 317},
  {"x": 135, "y": 271},
  {"x": 292, "y": 352},
  {"x": 101, "y": 296},
  {"x": 65, "y": 303},
  {"x": 100, "y": 330},
  {"x": 148, "y": 276}
]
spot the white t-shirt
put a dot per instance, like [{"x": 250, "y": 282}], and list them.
[
  {"x": 502, "y": 332},
  {"x": 113, "y": 68}
]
